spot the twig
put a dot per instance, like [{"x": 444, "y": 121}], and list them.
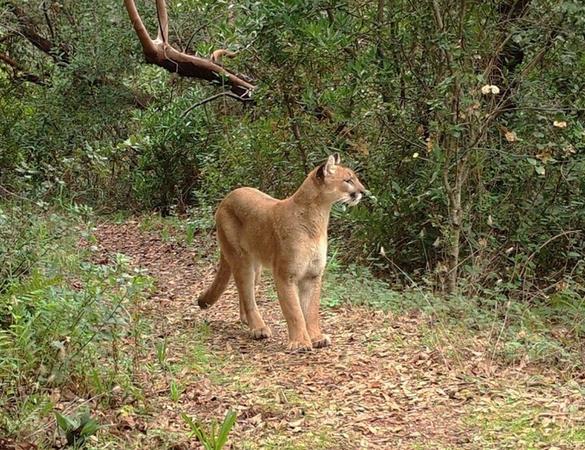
[
  {"x": 6, "y": 191},
  {"x": 501, "y": 333},
  {"x": 533, "y": 254},
  {"x": 214, "y": 97}
]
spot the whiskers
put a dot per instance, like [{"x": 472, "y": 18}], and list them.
[{"x": 351, "y": 199}]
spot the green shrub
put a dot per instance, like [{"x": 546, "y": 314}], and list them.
[{"x": 62, "y": 316}]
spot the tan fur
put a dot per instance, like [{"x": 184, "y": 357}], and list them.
[{"x": 288, "y": 236}]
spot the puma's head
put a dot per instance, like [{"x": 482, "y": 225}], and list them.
[{"x": 339, "y": 183}]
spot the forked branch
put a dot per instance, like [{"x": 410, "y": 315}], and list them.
[
  {"x": 28, "y": 29},
  {"x": 159, "y": 52}
]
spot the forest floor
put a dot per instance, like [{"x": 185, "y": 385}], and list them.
[{"x": 385, "y": 383}]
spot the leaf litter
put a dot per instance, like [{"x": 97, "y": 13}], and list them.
[{"x": 378, "y": 386}]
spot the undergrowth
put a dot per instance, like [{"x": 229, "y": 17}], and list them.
[
  {"x": 547, "y": 330},
  {"x": 63, "y": 318}
]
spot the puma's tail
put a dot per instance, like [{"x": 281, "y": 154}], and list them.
[{"x": 213, "y": 292}]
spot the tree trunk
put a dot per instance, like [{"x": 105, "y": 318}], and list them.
[{"x": 454, "y": 196}]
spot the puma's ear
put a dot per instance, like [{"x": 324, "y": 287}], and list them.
[
  {"x": 337, "y": 158},
  {"x": 330, "y": 165}
]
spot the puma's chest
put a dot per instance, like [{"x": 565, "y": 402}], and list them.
[{"x": 316, "y": 258}]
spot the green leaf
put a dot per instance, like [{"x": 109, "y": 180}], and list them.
[
  {"x": 226, "y": 426},
  {"x": 65, "y": 423},
  {"x": 90, "y": 428}
]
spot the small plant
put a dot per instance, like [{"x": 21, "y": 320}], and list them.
[
  {"x": 190, "y": 230},
  {"x": 175, "y": 391},
  {"x": 77, "y": 430},
  {"x": 161, "y": 352},
  {"x": 165, "y": 234},
  {"x": 216, "y": 437}
]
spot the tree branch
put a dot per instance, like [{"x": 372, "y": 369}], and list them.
[
  {"x": 162, "y": 54},
  {"x": 139, "y": 28},
  {"x": 28, "y": 29},
  {"x": 210, "y": 99},
  {"x": 163, "y": 21},
  {"x": 218, "y": 55},
  {"x": 22, "y": 73}
]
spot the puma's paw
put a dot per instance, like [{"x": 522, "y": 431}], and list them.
[
  {"x": 321, "y": 341},
  {"x": 243, "y": 319},
  {"x": 299, "y": 346},
  {"x": 203, "y": 303},
  {"x": 261, "y": 333}
]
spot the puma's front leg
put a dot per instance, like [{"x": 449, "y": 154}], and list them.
[
  {"x": 288, "y": 297},
  {"x": 310, "y": 295}
]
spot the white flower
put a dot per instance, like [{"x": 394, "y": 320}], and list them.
[{"x": 490, "y": 89}]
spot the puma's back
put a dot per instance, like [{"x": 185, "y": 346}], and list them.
[{"x": 245, "y": 220}]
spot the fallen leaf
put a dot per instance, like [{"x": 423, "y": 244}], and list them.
[{"x": 511, "y": 136}]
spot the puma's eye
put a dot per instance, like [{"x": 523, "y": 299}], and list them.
[{"x": 350, "y": 181}]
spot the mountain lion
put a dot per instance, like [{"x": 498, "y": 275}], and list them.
[{"x": 289, "y": 236}]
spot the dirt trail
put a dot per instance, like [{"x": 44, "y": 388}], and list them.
[{"x": 378, "y": 386}]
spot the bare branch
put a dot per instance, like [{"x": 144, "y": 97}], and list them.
[
  {"x": 161, "y": 53},
  {"x": 20, "y": 71},
  {"x": 296, "y": 131},
  {"x": 217, "y": 55},
  {"x": 210, "y": 99},
  {"x": 163, "y": 21},
  {"x": 139, "y": 28},
  {"x": 48, "y": 19}
]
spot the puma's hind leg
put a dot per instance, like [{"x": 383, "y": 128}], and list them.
[
  {"x": 244, "y": 276},
  {"x": 257, "y": 276},
  {"x": 243, "y": 271}
]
